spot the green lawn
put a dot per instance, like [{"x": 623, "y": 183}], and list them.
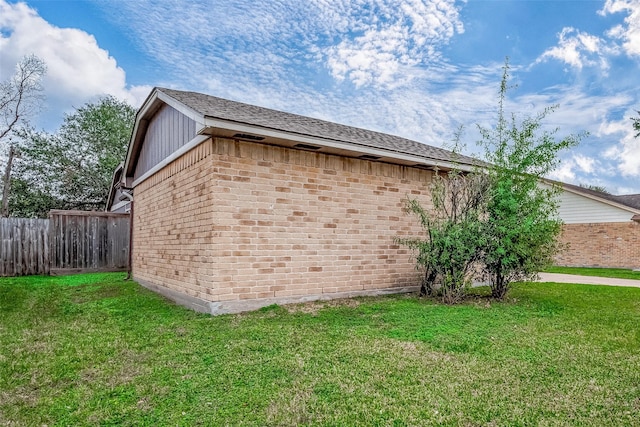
[
  {"x": 94, "y": 350},
  {"x": 618, "y": 273}
]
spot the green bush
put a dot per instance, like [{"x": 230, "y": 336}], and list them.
[{"x": 453, "y": 240}]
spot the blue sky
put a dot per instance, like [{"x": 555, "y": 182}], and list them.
[{"x": 415, "y": 68}]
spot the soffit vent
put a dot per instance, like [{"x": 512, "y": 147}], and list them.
[
  {"x": 248, "y": 136},
  {"x": 306, "y": 147},
  {"x": 369, "y": 157},
  {"x": 425, "y": 167}
]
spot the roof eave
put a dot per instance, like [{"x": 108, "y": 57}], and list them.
[{"x": 213, "y": 123}]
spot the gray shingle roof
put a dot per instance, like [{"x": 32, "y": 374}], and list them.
[
  {"x": 218, "y": 108},
  {"x": 632, "y": 200}
]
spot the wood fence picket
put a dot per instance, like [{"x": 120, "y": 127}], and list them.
[
  {"x": 24, "y": 248},
  {"x": 67, "y": 242}
]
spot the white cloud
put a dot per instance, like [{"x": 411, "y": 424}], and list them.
[
  {"x": 379, "y": 48},
  {"x": 579, "y": 49},
  {"x": 291, "y": 55},
  {"x": 610, "y": 151},
  {"x": 277, "y": 54},
  {"x": 77, "y": 68},
  {"x": 366, "y": 42},
  {"x": 627, "y": 190},
  {"x": 629, "y": 32},
  {"x": 564, "y": 172},
  {"x": 584, "y": 163},
  {"x": 602, "y": 173},
  {"x": 627, "y": 151}
]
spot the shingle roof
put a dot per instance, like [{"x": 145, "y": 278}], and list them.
[
  {"x": 218, "y": 108},
  {"x": 630, "y": 200}
]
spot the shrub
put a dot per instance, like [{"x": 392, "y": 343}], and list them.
[{"x": 452, "y": 244}]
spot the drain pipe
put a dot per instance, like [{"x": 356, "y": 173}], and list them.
[{"x": 127, "y": 194}]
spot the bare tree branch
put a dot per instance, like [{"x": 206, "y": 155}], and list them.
[{"x": 21, "y": 95}]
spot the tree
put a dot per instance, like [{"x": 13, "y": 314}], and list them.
[
  {"x": 32, "y": 185},
  {"x": 500, "y": 218},
  {"x": 20, "y": 97},
  {"x": 27, "y": 201},
  {"x": 521, "y": 226},
  {"x": 72, "y": 168},
  {"x": 453, "y": 240},
  {"x": 636, "y": 124}
]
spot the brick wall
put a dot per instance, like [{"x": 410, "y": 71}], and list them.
[
  {"x": 234, "y": 220},
  {"x": 601, "y": 245},
  {"x": 172, "y": 234}
]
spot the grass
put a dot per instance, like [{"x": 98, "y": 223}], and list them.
[
  {"x": 94, "y": 350},
  {"x": 618, "y": 273}
]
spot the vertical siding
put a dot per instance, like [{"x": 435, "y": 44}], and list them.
[{"x": 167, "y": 132}]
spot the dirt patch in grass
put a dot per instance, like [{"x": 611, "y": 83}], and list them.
[
  {"x": 25, "y": 395},
  {"x": 293, "y": 411},
  {"x": 314, "y": 307},
  {"x": 84, "y": 293}
]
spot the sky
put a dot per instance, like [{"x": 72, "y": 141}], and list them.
[{"x": 420, "y": 69}]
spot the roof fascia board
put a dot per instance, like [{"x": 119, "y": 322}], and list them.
[
  {"x": 112, "y": 189},
  {"x": 110, "y": 198},
  {"x": 592, "y": 197},
  {"x": 211, "y": 122},
  {"x": 183, "y": 109},
  {"x": 139, "y": 127},
  {"x": 199, "y": 139}
]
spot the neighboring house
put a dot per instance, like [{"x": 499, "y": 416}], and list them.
[
  {"x": 601, "y": 230},
  {"x": 237, "y": 206},
  {"x": 119, "y": 199}
]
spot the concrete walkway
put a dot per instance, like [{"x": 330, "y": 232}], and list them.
[{"x": 588, "y": 280}]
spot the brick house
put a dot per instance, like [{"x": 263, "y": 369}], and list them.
[
  {"x": 602, "y": 230},
  {"x": 237, "y": 206}
]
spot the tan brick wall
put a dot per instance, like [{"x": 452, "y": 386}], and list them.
[
  {"x": 601, "y": 245},
  {"x": 237, "y": 220},
  {"x": 172, "y": 234}
]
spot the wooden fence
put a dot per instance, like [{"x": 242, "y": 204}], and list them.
[
  {"x": 67, "y": 242},
  {"x": 24, "y": 246}
]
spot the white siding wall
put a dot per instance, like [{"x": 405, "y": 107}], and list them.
[{"x": 575, "y": 209}]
